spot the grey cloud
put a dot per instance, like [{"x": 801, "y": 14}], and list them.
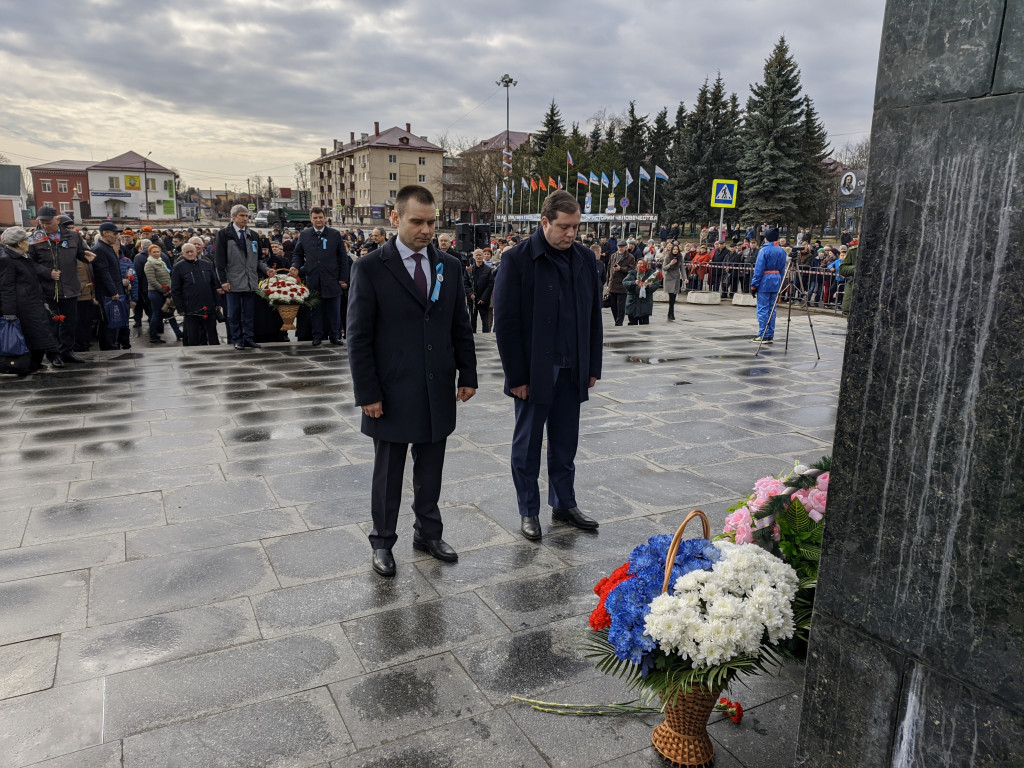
[{"x": 271, "y": 81}]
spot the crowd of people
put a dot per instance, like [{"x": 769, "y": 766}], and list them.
[{"x": 73, "y": 289}]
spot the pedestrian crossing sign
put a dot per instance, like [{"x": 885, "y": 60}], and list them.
[{"x": 723, "y": 193}]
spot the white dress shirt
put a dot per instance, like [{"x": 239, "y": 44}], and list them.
[{"x": 410, "y": 263}]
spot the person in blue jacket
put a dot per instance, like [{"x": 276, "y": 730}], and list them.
[{"x": 765, "y": 284}]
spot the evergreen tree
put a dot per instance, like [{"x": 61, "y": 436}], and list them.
[
  {"x": 773, "y": 142},
  {"x": 816, "y": 188},
  {"x": 595, "y": 137},
  {"x": 675, "y": 167},
  {"x": 686, "y": 190},
  {"x": 658, "y": 146},
  {"x": 553, "y": 130}
]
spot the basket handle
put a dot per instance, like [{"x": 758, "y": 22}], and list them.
[{"x": 673, "y": 548}]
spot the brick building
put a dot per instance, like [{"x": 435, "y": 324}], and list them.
[{"x": 58, "y": 184}]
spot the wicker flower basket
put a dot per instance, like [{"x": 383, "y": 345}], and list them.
[
  {"x": 288, "y": 313},
  {"x": 682, "y": 739}
]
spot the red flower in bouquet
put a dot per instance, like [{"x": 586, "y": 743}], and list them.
[
  {"x": 600, "y": 618},
  {"x": 641, "y": 267}
]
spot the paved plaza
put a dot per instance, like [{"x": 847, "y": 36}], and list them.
[{"x": 185, "y": 577}]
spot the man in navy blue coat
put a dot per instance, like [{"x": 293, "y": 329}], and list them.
[
  {"x": 547, "y": 323},
  {"x": 321, "y": 260},
  {"x": 408, "y": 336}
]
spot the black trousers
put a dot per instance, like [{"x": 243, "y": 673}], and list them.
[
  {"x": 65, "y": 332},
  {"x": 386, "y": 493},
  {"x": 618, "y": 301},
  {"x": 562, "y": 419},
  {"x": 486, "y": 315},
  {"x": 326, "y": 318},
  {"x": 88, "y": 314},
  {"x": 197, "y": 332}
]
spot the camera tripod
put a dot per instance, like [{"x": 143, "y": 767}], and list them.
[{"x": 787, "y": 288}]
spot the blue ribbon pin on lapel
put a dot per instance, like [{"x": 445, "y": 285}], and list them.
[{"x": 439, "y": 278}]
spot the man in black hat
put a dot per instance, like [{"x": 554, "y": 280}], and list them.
[
  {"x": 56, "y": 249},
  {"x": 107, "y": 285}
]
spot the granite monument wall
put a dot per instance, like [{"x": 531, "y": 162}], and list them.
[{"x": 917, "y": 648}]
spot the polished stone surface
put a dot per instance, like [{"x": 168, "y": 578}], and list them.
[
  {"x": 918, "y": 652},
  {"x": 185, "y": 575}
]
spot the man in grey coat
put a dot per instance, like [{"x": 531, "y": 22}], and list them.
[{"x": 239, "y": 265}]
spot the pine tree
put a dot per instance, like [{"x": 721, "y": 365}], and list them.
[
  {"x": 553, "y": 130},
  {"x": 685, "y": 186},
  {"x": 675, "y": 167},
  {"x": 772, "y": 142},
  {"x": 816, "y": 187},
  {"x": 658, "y": 146}
]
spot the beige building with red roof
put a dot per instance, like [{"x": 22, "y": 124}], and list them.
[{"x": 363, "y": 176}]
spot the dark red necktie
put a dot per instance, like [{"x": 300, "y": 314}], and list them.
[{"x": 419, "y": 276}]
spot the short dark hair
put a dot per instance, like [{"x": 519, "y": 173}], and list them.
[
  {"x": 316, "y": 209},
  {"x": 558, "y": 202},
  {"x": 421, "y": 195}
]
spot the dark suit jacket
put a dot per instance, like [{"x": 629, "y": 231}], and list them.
[
  {"x": 322, "y": 267},
  {"x": 403, "y": 351},
  {"x": 106, "y": 271},
  {"x": 525, "y": 313}
]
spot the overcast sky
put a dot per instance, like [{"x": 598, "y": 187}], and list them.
[{"x": 221, "y": 89}]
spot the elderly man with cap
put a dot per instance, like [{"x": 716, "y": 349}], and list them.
[
  {"x": 768, "y": 271},
  {"x": 108, "y": 285},
  {"x": 55, "y": 249}
]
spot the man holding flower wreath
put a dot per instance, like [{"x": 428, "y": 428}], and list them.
[{"x": 321, "y": 260}]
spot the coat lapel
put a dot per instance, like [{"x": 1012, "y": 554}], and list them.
[{"x": 393, "y": 261}]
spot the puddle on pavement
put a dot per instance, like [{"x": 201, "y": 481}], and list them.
[
  {"x": 654, "y": 360},
  {"x": 756, "y": 371},
  {"x": 682, "y": 383},
  {"x": 319, "y": 429}
]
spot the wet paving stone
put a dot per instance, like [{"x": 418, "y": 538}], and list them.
[
  {"x": 481, "y": 567},
  {"x": 160, "y": 584},
  {"x": 57, "y": 557},
  {"x": 423, "y": 629},
  {"x": 213, "y": 638},
  {"x": 201, "y": 501},
  {"x": 490, "y": 740},
  {"x": 213, "y": 682},
  {"x": 51, "y": 723},
  {"x": 86, "y": 518},
  {"x": 113, "y": 648},
  {"x": 530, "y": 662},
  {"x": 296, "y": 730},
  {"x": 27, "y": 667},
  {"x": 329, "y": 602},
  {"x": 43, "y": 605},
  {"x": 404, "y": 699},
  {"x": 214, "y": 532}
]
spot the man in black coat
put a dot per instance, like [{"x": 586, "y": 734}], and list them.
[
  {"x": 106, "y": 280},
  {"x": 408, "y": 336},
  {"x": 56, "y": 248},
  {"x": 547, "y": 323},
  {"x": 194, "y": 290},
  {"x": 481, "y": 284},
  {"x": 321, "y": 260}
]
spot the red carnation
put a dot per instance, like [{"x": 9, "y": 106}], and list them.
[
  {"x": 205, "y": 316},
  {"x": 600, "y": 618}
]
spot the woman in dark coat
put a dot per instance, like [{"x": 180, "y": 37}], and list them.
[{"x": 21, "y": 297}]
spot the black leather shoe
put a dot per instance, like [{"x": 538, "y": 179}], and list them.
[
  {"x": 574, "y": 517},
  {"x": 531, "y": 527},
  {"x": 55, "y": 360},
  {"x": 337, "y": 342},
  {"x": 383, "y": 562},
  {"x": 156, "y": 340},
  {"x": 437, "y": 549},
  {"x": 317, "y": 342},
  {"x": 239, "y": 346},
  {"x": 71, "y": 357},
  {"x": 252, "y": 345}
]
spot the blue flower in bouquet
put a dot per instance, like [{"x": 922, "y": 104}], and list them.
[{"x": 629, "y": 602}]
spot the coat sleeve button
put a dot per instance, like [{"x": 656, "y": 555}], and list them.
[
  {"x": 430, "y": 347},
  {"x": 430, "y": 376}
]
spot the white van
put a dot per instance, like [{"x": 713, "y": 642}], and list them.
[{"x": 262, "y": 219}]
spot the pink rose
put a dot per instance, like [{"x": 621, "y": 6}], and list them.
[
  {"x": 744, "y": 535},
  {"x": 823, "y": 482},
  {"x": 815, "y": 515},
  {"x": 767, "y": 487},
  {"x": 816, "y": 501}
]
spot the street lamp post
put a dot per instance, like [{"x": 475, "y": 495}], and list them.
[
  {"x": 506, "y": 82},
  {"x": 145, "y": 180}
]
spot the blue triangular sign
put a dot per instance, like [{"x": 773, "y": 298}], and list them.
[{"x": 724, "y": 193}]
